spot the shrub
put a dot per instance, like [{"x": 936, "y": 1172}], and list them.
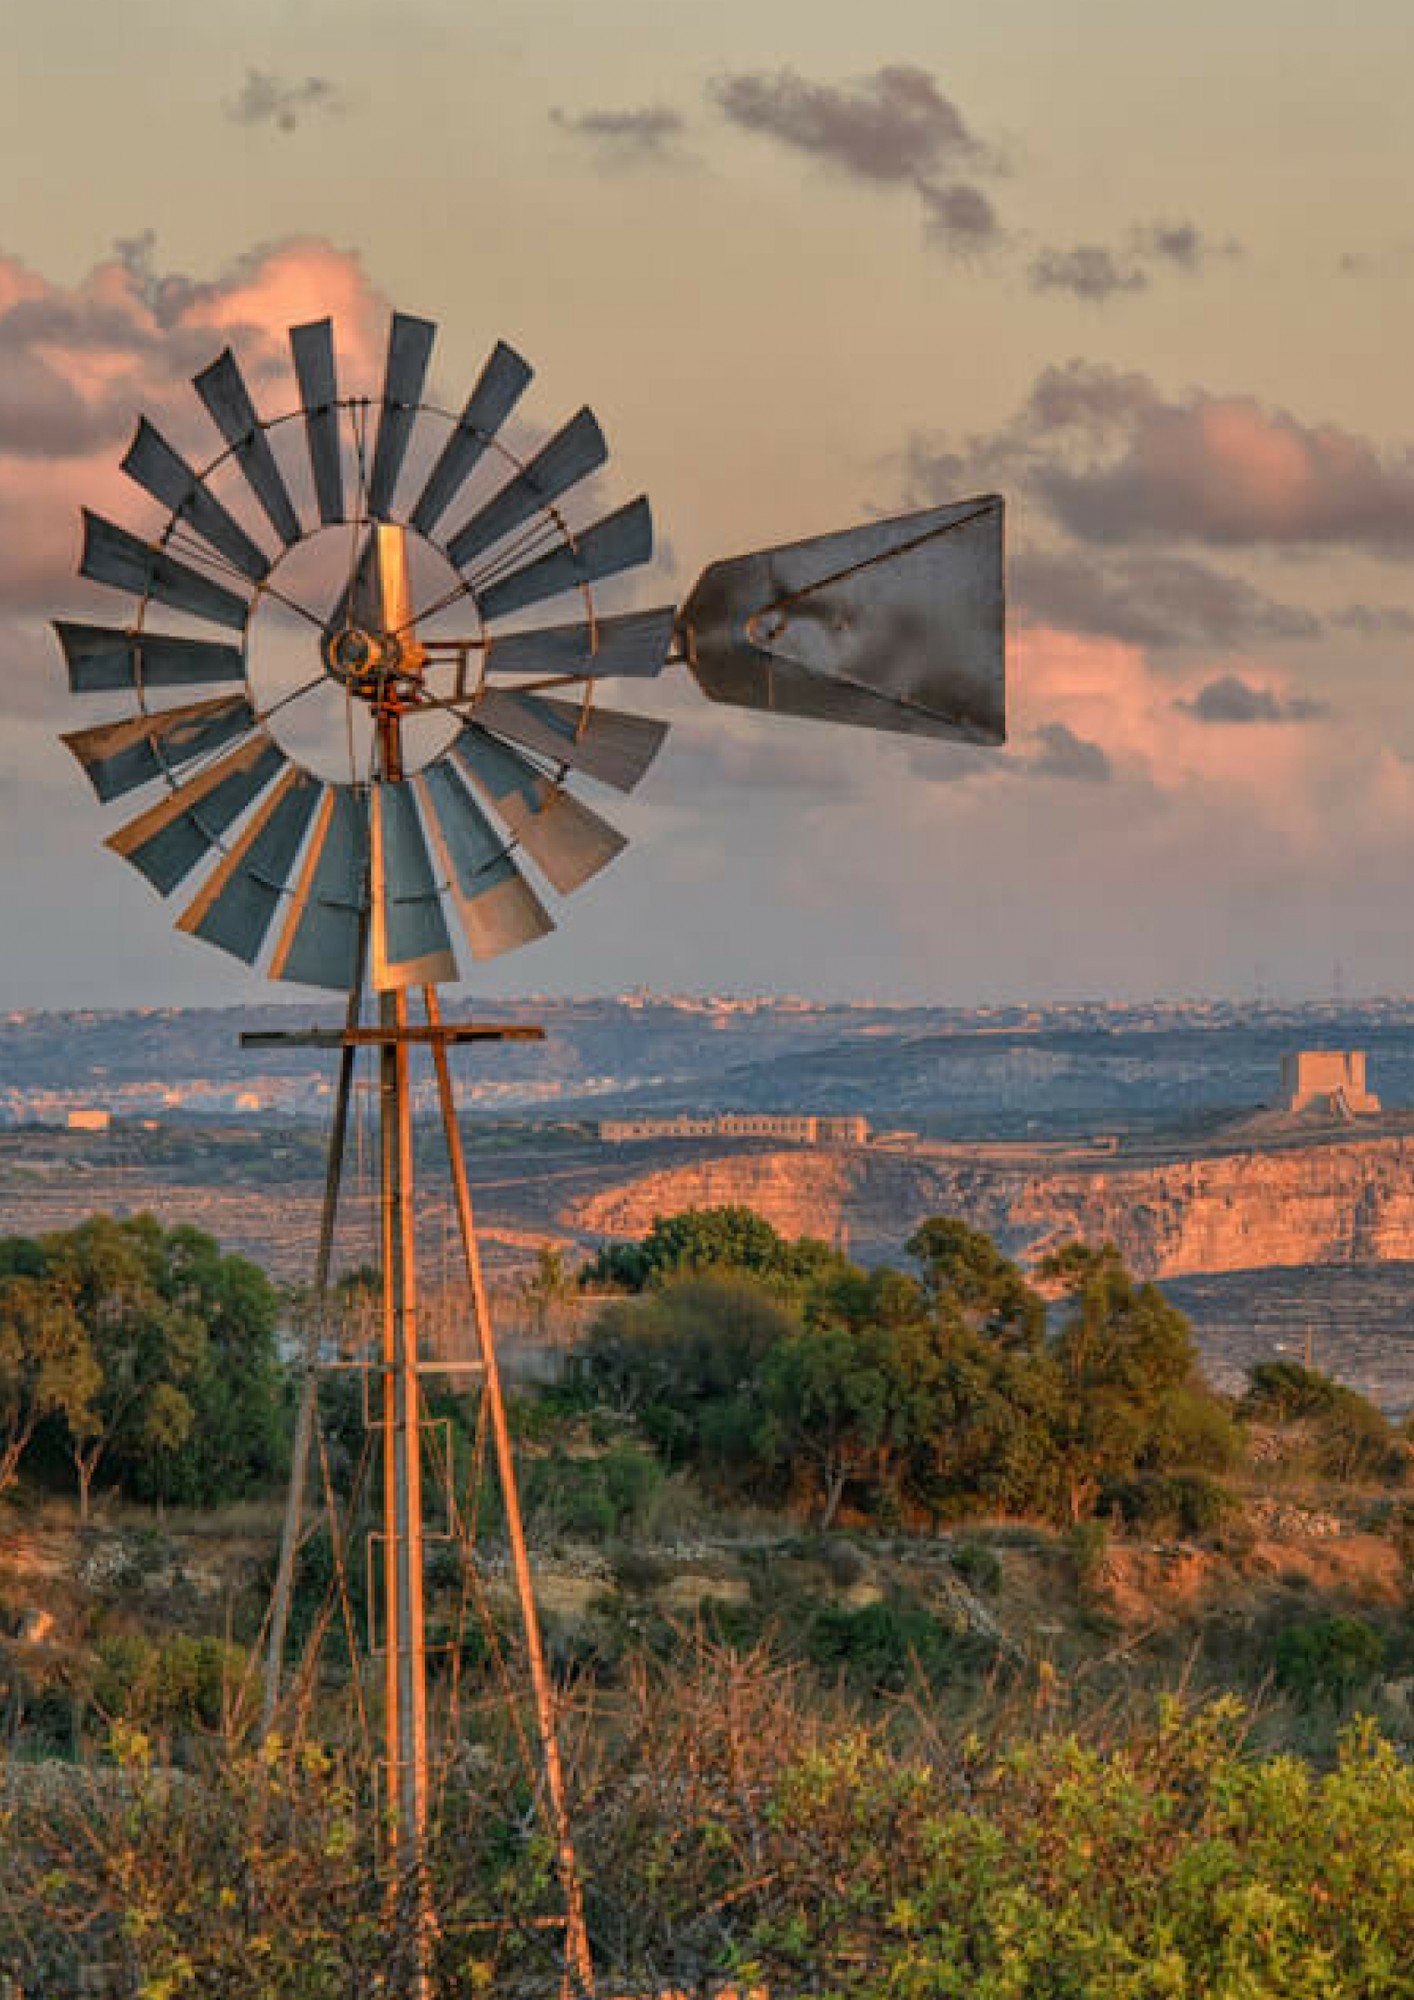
[
  {"x": 1328, "y": 1660},
  {"x": 178, "y": 1683},
  {"x": 979, "y": 1565},
  {"x": 887, "y": 1645},
  {"x": 1172, "y": 1503},
  {"x": 597, "y": 1498}
]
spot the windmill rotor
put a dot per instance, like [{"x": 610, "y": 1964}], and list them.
[{"x": 452, "y": 852}]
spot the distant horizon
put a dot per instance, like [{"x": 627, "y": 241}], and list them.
[{"x": 683, "y": 996}]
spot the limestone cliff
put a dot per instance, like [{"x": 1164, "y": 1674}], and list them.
[{"x": 1337, "y": 1203}]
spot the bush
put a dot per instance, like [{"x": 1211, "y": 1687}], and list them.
[
  {"x": 978, "y": 1565},
  {"x": 889, "y": 1644},
  {"x": 1328, "y": 1660},
  {"x": 597, "y": 1498},
  {"x": 177, "y": 1683},
  {"x": 1173, "y": 1503},
  {"x": 1352, "y": 1440}
]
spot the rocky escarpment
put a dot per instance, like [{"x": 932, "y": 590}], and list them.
[{"x": 1238, "y": 1210}]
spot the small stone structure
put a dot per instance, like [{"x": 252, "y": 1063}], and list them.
[{"x": 1331, "y": 1081}]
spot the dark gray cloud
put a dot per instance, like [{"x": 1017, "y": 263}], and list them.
[
  {"x": 1089, "y": 272},
  {"x": 639, "y": 134},
  {"x": 895, "y": 128},
  {"x": 1095, "y": 273},
  {"x": 1229, "y": 698},
  {"x": 895, "y": 125},
  {"x": 1182, "y": 244},
  {"x": 960, "y": 216},
  {"x": 1151, "y": 600},
  {"x": 1375, "y": 621},
  {"x": 1115, "y": 461},
  {"x": 267, "y": 99},
  {"x": 1060, "y": 753}
]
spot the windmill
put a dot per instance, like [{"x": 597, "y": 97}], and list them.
[{"x": 364, "y": 749}]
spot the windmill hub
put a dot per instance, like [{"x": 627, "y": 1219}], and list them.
[{"x": 365, "y": 662}]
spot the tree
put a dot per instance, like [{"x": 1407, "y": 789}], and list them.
[
  {"x": 972, "y": 1285},
  {"x": 687, "y": 1361},
  {"x": 696, "y": 1241},
  {"x": 141, "y": 1340},
  {"x": 1121, "y": 1352},
  {"x": 47, "y": 1366},
  {"x": 845, "y": 1399},
  {"x": 548, "y": 1288}
]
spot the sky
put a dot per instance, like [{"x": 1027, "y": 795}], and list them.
[{"x": 1147, "y": 272}]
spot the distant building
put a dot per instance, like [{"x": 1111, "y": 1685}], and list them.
[
  {"x": 789, "y": 1128},
  {"x": 1331, "y": 1081},
  {"x": 89, "y": 1118}
]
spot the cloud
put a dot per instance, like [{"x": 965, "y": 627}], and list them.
[
  {"x": 1089, "y": 272},
  {"x": 960, "y": 217},
  {"x": 1232, "y": 699},
  {"x": 267, "y": 99},
  {"x": 1095, "y": 273},
  {"x": 895, "y": 125},
  {"x": 1063, "y": 754},
  {"x": 1150, "y": 600},
  {"x": 77, "y": 364},
  {"x": 642, "y": 134},
  {"x": 1182, "y": 244},
  {"x": 1375, "y": 621},
  {"x": 1115, "y": 460},
  {"x": 894, "y": 128}
]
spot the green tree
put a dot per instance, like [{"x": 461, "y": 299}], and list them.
[
  {"x": 47, "y": 1366},
  {"x": 1121, "y": 1352},
  {"x": 112, "y": 1271},
  {"x": 686, "y": 1362},
  {"x": 972, "y": 1286},
  {"x": 841, "y": 1404},
  {"x": 698, "y": 1241}
]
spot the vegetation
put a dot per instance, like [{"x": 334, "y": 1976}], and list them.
[
  {"x": 733, "y": 1828},
  {"x": 144, "y": 1357},
  {"x": 839, "y": 1560},
  {"x": 919, "y": 1398}
]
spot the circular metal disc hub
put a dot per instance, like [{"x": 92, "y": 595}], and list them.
[{"x": 363, "y": 662}]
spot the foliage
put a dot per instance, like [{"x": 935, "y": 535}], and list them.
[
  {"x": 734, "y": 1828},
  {"x": 1352, "y": 1440},
  {"x": 979, "y": 1566},
  {"x": 1328, "y": 1659},
  {"x": 695, "y": 1241},
  {"x": 893, "y": 1396},
  {"x": 47, "y": 1365},
  {"x": 973, "y": 1287},
  {"x": 599, "y": 1497},
  {"x": 1189, "y": 1504},
  {"x": 144, "y": 1354},
  {"x": 179, "y": 1683},
  {"x": 891, "y": 1644},
  {"x": 686, "y": 1361}
]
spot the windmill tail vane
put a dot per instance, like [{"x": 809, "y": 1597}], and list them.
[{"x": 358, "y": 689}]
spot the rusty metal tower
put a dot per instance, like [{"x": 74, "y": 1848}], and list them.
[{"x": 382, "y": 735}]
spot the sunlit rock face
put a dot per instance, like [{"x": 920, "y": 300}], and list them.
[{"x": 1350, "y": 1203}]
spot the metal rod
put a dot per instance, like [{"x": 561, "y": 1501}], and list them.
[
  {"x": 290, "y": 1532},
  {"x": 405, "y": 1687},
  {"x": 379, "y": 1037},
  {"x": 578, "y": 1964}
]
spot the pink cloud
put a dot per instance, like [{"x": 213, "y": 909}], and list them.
[{"x": 79, "y": 363}]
